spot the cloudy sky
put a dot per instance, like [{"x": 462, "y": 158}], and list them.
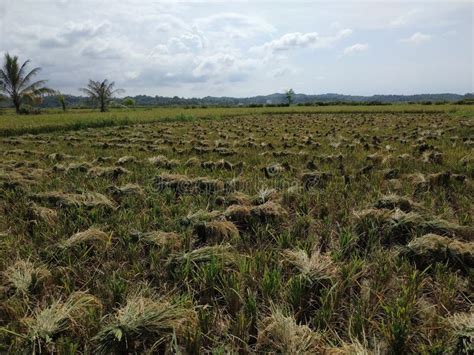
[{"x": 246, "y": 48}]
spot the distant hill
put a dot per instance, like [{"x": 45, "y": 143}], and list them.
[{"x": 272, "y": 99}]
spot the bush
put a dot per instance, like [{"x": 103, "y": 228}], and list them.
[{"x": 29, "y": 110}]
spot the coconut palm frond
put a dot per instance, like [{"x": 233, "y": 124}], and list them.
[
  {"x": 101, "y": 92},
  {"x": 16, "y": 82}
]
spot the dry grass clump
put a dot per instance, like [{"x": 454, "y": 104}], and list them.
[
  {"x": 23, "y": 152},
  {"x": 238, "y": 198},
  {"x": 59, "y": 317},
  {"x": 179, "y": 183},
  {"x": 160, "y": 161},
  {"x": 59, "y": 156},
  {"x": 354, "y": 348},
  {"x": 171, "y": 240},
  {"x": 432, "y": 157},
  {"x": 375, "y": 158},
  {"x": 240, "y": 215},
  {"x": 43, "y": 214},
  {"x": 235, "y": 198},
  {"x": 73, "y": 167},
  {"x": 127, "y": 159},
  {"x": 200, "y": 216},
  {"x": 81, "y": 167},
  {"x": 63, "y": 199},
  {"x": 183, "y": 185},
  {"x": 111, "y": 172},
  {"x": 467, "y": 160},
  {"x": 389, "y": 227},
  {"x": 315, "y": 179},
  {"x": 390, "y": 174},
  {"x": 274, "y": 170},
  {"x": 221, "y": 165},
  {"x": 264, "y": 195},
  {"x": 431, "y": 248},
  {"x": 317, "y": 267},
  {"x": 200, "y": 149},
  {"x": 392, "y": 202},
  {"x": 118, "y": 192},
  {"x": 192, "y": 162},
  {"x": 206, "y": 186},
  {"x": 443, "y": 227},
  {"x": 225, "y": 152},
  {"x": 216, "y": 231},
  {"x": 145, "y": 323},
  {"x": 279, "y": 333},
  {"x": 23, "y": 275},
  {"x": 330, "y": 158},
  {"x": 92, "y": 236},
  {"x": 444, "y": 179},
  {"x": 21, "y": 178},
  {"x": 244, "y": 216},
  {"x": 397, "y": 227},
  {"x": 172, "y": 181},
  {"x": 232, "y": 185},
  {"x": 100, "y": 160},
  {"x": 463, "y": 325},
  {"x": 223, "y": 252},
  {"x": 269, "y": 212}
]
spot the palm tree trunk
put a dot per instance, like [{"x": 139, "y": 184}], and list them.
[
  {"x": 102, "y": 104},
  {"x": 17, "y": 104}
]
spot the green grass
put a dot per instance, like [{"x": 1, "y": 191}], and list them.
[{"x": 52, "y": 120}]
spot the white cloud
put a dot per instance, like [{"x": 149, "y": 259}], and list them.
[
  {"x": 74, "y": 32},
  {"x": 234, "y": 25},
  {"x": 169, "y": 23},
  {"x": 221, "y": 67},
  {"x": 356, "y": 48},
  {"x": 303, "y": 40},
  {"x": 186, "y": 43},
  {"x": 404, "y": 19},
  {"x": 281, "y": 71},
  {"x": 416, "y": 38}
]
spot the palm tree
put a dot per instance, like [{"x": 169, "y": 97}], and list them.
[
  {"x": 17, "y": 84},
  {"x": 101, "y": 93}
]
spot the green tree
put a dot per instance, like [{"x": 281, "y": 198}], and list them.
[
  {"x": 129, "y": 102},
  {"x": 101, "y": 93},
  {"x": 289, "y": 96},
  {"x": 17, "y": 84},
  {"x": 62, "y": 101}
]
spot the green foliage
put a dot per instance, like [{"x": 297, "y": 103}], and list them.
[
  {"x": 62, "y": 102},
  {"x": 129, "y": 102},
  {"x": 17, "y": 84},
  {"x": 400, "y": 312},
  {"x": 101, "y": 93},
  {"x": 290, "y": 96}
]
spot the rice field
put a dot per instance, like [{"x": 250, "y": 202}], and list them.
[
  {"x": 76, "y": 119},
  {"x": 290, "y": 230}
]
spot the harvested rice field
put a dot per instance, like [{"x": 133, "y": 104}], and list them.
[{"x": 292, "y": 233}]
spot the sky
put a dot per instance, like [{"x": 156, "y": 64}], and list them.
[{"x": 245, "y": 48}]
